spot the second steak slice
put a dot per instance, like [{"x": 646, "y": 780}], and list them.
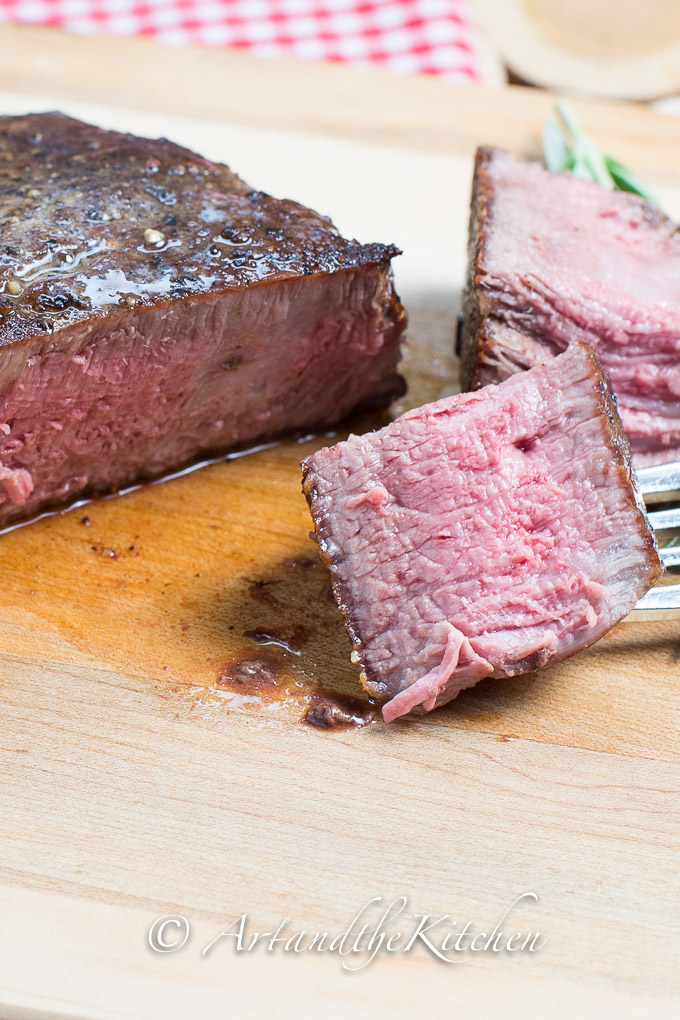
[
  {"x": 484, "y": 535},
  {"x": 554, "y": 259},
  {"x": 155, "y": 309}
]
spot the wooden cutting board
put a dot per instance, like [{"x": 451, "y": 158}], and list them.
[{"x": 135, "y": 783}]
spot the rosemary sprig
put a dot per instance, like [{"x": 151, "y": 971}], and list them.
[{"x": 567, "y": 147}]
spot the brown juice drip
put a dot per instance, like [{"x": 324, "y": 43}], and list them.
[
  {"x": 291, "y": 640},
  {"x": 330, "y": 711},
  {"x": 290, "y": 624},
  {"x": 256, "y": 679},
  {"x": 300, "y": 561},
  {"x": 261, "y": 591},
  {"x": 253, "y": 675}
]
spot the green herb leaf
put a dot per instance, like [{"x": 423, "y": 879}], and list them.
[
  {"x": 597, "y": 162},
  {"x": 569, "y": 119},
  {"x": 568, "y": 147},
  {"x": 626, "y": 180},
  {"x": 581, "y": 167},
  {"x": 555, "y": 148}
]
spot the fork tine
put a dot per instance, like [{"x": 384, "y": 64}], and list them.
[
  {"x": 670, "y": 557},
  {"x": 660, "y": 482},
  {"x": 660, "y": 603},
  {"x": 661, "y": 520}
]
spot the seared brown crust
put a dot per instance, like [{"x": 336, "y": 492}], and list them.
[
  {"x": 322, "y": 534},
  {"x": 75, "y": 205},
  {"x": 472, "y": 338},
  {"x": 619, "y": 446},
  {"x": 484, "y": 347}
]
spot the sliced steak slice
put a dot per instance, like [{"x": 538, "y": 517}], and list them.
[
  {"x": 487, "y": 534},
  {"x": 155, "y": 309},
  {"x": 554, "y": 259}
]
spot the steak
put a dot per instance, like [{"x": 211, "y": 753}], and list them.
[
  {"x": 487, "y": 534},
  {"x": 554, "y": 259},
  {"x": 155, "y": 309}
]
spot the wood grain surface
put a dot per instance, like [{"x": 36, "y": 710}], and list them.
[
  {"x": 612, "y": 48},
  {"x": 136, "y": 783}
]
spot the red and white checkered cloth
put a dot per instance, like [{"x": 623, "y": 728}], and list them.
[{"x": 406, "y": 36}]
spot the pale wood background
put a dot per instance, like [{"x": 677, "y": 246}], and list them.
[
  {"x": 131, "y": 788},
  {"x": 611, "y": 48}
]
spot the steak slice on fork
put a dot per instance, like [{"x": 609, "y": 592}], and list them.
[{"x": 487, "y": 534}]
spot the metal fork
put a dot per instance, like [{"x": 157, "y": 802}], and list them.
[{"x": 661, "y": 484}]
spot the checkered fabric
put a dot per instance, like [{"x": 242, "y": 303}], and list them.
[{"x": 405, "y": 36}]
